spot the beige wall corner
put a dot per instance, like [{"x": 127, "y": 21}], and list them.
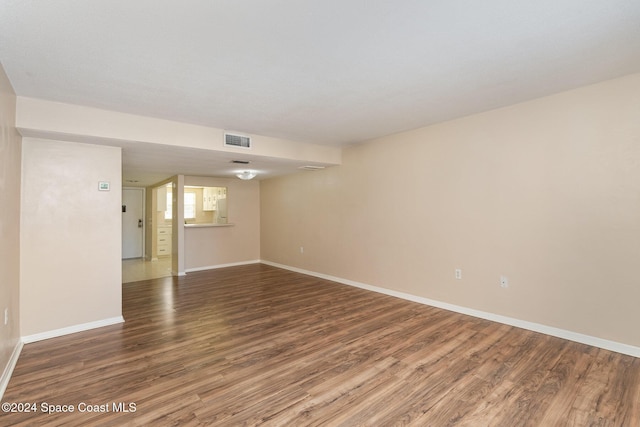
[
  {"x": 70, "y": 235},
  {"x": 177, "y": 241},
  {"x": 10, "y": 155},
  {"x": 544, "y": 193}
]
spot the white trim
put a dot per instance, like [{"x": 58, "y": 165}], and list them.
[
  {"x": 531, "y": 326},
  {"x": 72, "y": 329},
  {"x": 8, "y": 370},
  {"x": 231, "y": 264}
]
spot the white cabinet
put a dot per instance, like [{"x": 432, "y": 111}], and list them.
[
  {"x": 210, "y": 197},
  {"x": 164, "y": 240},
  {"x": 207, "y": 199}
]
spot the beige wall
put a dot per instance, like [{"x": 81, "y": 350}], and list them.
[
  {"x": 214, "y": 246},
  {"x": 10, "y": 152},
  {"x": 70, "y": 235},
  {"x": 546, "y": 193},
  {"x": 150, "y": 210}
]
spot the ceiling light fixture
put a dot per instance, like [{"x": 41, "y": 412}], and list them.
[{"x": 246, "y": 175}]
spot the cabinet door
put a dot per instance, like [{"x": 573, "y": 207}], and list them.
[{"x": 208, "y": 200}]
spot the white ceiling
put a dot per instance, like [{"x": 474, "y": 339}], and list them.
[{"x": 325, "y": 72}]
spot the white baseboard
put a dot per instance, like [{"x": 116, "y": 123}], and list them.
[
  {"x": 232, "y": 264},
  {"x": 531, "y": 326},
  {"x": 8, "y": 370},
  {"x": 72, "y": 329}
]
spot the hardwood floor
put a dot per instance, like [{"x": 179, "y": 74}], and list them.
[{"x": 256, "y": 345}]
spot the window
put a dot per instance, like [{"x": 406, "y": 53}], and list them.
[{"x": 189, "y": 205}]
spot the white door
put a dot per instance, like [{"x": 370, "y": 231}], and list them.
[{"x": 132, "y": 222}]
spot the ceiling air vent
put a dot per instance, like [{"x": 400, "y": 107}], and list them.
[
  {"x": 311, "y": 168},
  {"x": 240, "y": 162},
  {"x": 231, "y": 140}
]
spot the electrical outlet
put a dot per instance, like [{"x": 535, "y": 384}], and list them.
[
  {"x": 458, "y": 273},
  {"x": 504, "y": 281},
  {"x": 301, "y": 249},
  {"x": 6, "y": 316}
]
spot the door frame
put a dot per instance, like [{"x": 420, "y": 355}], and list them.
[{"x": 144, "y": 219}]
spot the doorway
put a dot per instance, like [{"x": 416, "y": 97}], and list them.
[{"x": 132, "y": 223}]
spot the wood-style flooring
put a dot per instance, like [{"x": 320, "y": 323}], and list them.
[{"x": 257, "y": 345}]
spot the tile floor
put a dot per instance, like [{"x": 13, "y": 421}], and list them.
[{"x": 136, "y": 269}]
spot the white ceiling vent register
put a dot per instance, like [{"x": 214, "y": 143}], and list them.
[{"x": 241, "y": 141}]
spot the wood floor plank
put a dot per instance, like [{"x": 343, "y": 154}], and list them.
[{"x": 257, "y": 345}]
